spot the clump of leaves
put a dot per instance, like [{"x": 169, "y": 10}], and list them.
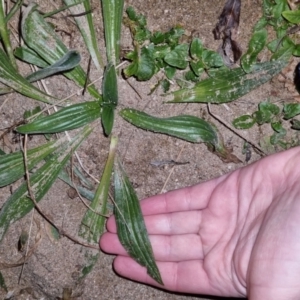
[
  {"x": 155, "y": 51},
  {"x": 278, "y": 16},
  {"x": 277, "y": 116}
]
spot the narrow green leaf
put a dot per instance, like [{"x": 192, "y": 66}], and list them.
[
  {"x": 228, "y": 85},
  {"x": 68, "y": 118},
  {"x": 92, "y": 224},
  {"x": 112, "y": 11},
  {"x": 12, "y": 164},
  {"x": 19, "y": 203},
  {"x": 110, "y": 86},
  {"x": 87, "y": 28},
  {"x": 92, "y": 257},
  {"x": 110, "y": 97},
  {"x": 243, "y": 122},
  {"x": 14, "y": 10},
  {"x": 2, "y": 282},
  {"x": 69, "y": 61},
  {"x": 10, "y": 77},
  {"x": 107, "y": 119},
  {"x": 188, "y": 128},
  {"x": 256, "y": 45},
  {"x": 40, "y": 36},
  {"x": 89, "y": 195},
  {"x": 5, "y": 39},
  {"x": 31, "y": 57},
  {"x": 131, "y": 228}
]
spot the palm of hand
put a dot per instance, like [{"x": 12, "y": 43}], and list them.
[{"x": 236, "y": 235}]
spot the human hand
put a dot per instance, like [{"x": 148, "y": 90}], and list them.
[{"x": 237, "y": 235}]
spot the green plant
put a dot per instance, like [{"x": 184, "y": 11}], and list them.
[{"x": 198, "y": 71}]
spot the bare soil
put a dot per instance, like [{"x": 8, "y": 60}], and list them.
[{"x": 55, "y": 265}]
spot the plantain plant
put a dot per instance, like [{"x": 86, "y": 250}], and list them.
[{"x": 199, "y": 72}]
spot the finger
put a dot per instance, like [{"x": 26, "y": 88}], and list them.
[
  {"x": 172, "y": 223},
  {"x": 185, "y": 199},
  {"x": 165, "y": 248},
  {"x": 187, "y": 277}
]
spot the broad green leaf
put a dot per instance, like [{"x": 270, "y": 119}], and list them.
[
  {"x": 273, "y": 12},
  {"x": 280, "y": 133},
  {"x": 40, "y": 37},
  {"x": 291, "y": 110},
  {"x": 266, "y": 112},
  {"x": 285, "y": 52},
  {"x": 293, "y": 16},
  {"x": 173, "y": 35},
  {"x": 170, "y": 72},
  {"x": 243, "y": 122},
  {"x": 10, "y": 77},
  {"x": 19, "y": 203},
  {"x": 296, "y": 51},
  {"x": 256, "y": 45},
  {"x": 143, "y": 64},
  {"x": 277, "y": 126},
  {"x": 87, "y": 28},
  {"x": 196, "y": 49},
  {"x": 191, "y": 76},
  {"x": 212, "y": 59},
  {"x": 165, "y": 84},
  {"x": 69, "y": 61},
  {"x": 178, "y": 57},
  {"x": 228, "y": 85},
  {"x": 92, "y": 224},
  {"x": 131, "y": 228},
  {"x": 197, "y": 67},
  {"x": 68, "y": 118},
  {"x": 267, "y": 106},
  {"x": 12, "y": 164},
  {"x": 157, "y": 38},
  {"x": 112, "y": 11},
  {"x": 31, "y": 57}
]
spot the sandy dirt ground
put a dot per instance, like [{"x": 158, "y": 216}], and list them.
[{"x": 55, "y": 264}]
